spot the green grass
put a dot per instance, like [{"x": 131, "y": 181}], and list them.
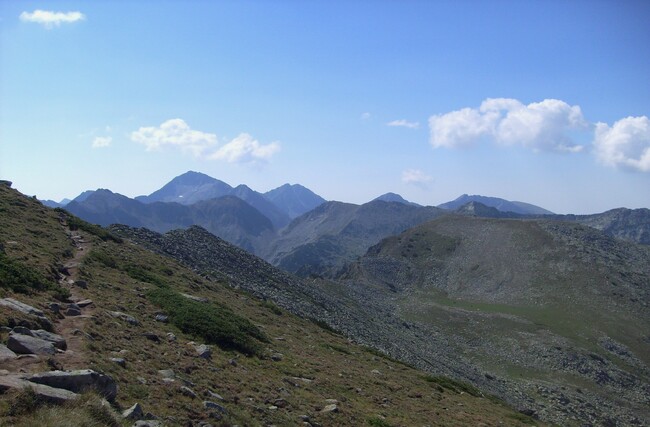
[
  {"x": 214, "y": 323},
  {"x": 87, "y": 410},
  {"x": 377, "y": 422},
  {"x": 20, "y": 278}
]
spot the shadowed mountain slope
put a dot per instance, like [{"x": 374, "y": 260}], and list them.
[
  {"x": 323, "y": 240},
  {"x": 228, "y": 216}
]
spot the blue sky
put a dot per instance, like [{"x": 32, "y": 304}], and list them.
[{"x": 540, "y": 101}]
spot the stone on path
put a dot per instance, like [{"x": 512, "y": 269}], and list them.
[{"x": 25, "y": 344}]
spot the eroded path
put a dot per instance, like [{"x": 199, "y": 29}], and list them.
[{"x": 72, "y": 327}]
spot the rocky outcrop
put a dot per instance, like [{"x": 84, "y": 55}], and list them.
[
  {"x": 46, "y": 393},
  {"x": 28, "y": 310},
  {"x": 78, "y": 381}
]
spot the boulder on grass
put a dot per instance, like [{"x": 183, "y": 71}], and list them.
[{"x": 78, "y": 381}]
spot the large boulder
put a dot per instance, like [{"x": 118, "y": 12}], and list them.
[
  {"x": 78, "y": 381},
  {"x": 46, "y": 393},
  {"x": 58, "y": 341},
  {"x": 27, "y": 309},
  {"x": 25, "y": 344}
]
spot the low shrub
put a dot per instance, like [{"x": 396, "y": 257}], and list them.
[
  {"x": 20, "y": 278},
  {"x": 453, "y": 385},
  {"x": 213, "y": 323}
]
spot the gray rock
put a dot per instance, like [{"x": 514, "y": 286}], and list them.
[
  {"x": 147, "y": 423},
  {"x": 161, "y": 318},
  {"x": 58, "y": 341},
  {"x": 167, "y": 373},
  {"x": 214, "y": 406},
  {"x": 73, "y": 310},
  {"x": 204, "y": 351},
  {"x": 171, "y": 337},
  {"x": 22, "y": 307},
  {"x": 330, "y": 409},
  {"x": 123, "y": 316},
  {"x": 27, "y": 309},
  {"x": 135, "y": 412},
  {"x": 46, "y": 393},
  {"x": 5, "y": 353},
  {"x": 25, "y": 344},
  {"x": 276, "y": 357},
  {"x": 186, "y": 391},
  {"x": 213, "y": 395},
  {"x": 151, "y": 336},
  {"x": 81, "y": 283},
  {"x": 84, "y": 303},
  {"x": 22, "y": 330},
  {"x": 54, "y": 307},
  {"x": 194, "y": 298},
  {"x": 119, "y": 361},
  {"x": 77, "y": 381}
]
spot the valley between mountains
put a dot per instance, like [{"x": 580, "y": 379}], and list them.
[{"x": 480, "y": 311}]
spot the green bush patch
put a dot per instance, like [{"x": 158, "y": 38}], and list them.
[
  {"x": 214, "y": 323},
  {"x": 453, "y": 385},
  {"x": 20, "y": 278}
]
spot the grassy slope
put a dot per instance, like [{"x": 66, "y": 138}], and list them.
[{"x": 316, "y": 364}]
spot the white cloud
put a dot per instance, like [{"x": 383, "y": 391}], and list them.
[
  {"x": 102, "y": 141},
  {"x": 245, "y": 149},
  {"x": 174, "y": 132},
  {"x": 404, "y": 123},
  {"x": 50, "y": 19},
  {"x": 415, "y": 176},
  {"x": 626, "y": 144},
  {"x": 365, "y": 116},
  {"x": 547, "y": 125}
]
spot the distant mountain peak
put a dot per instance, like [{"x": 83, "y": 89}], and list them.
[
  {"x": 294, "y": 199},
  {"x": 394, "y": 197},
  {"x": 497, "y": 203}
]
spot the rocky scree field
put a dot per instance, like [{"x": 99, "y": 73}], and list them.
[{"x": 557, "y": 311}]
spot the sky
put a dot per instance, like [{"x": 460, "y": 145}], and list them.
[{"x": 546, "y": 102}]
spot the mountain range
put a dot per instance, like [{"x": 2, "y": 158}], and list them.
[
  {"x": 296, "y": 229},
  {"x": 98, "y": 330},
  {"x": 542, "y": 311}
]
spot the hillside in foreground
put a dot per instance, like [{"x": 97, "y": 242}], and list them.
[{"x": 188, "y": 348}]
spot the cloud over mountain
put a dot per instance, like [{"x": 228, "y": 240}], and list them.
[
  {"x": 177, "y": 133},
  {"x": 50, "y": 19},
  {"x": 625, "y": 144},
  {"x": 416, "y": 177},
  {"x": 244, "y": 148},
  {"x": 542, "y": 126},
  {"x": 174, "y": 132}
]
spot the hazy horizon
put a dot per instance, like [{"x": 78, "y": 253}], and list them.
[{"x": 541, "y": 102}]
